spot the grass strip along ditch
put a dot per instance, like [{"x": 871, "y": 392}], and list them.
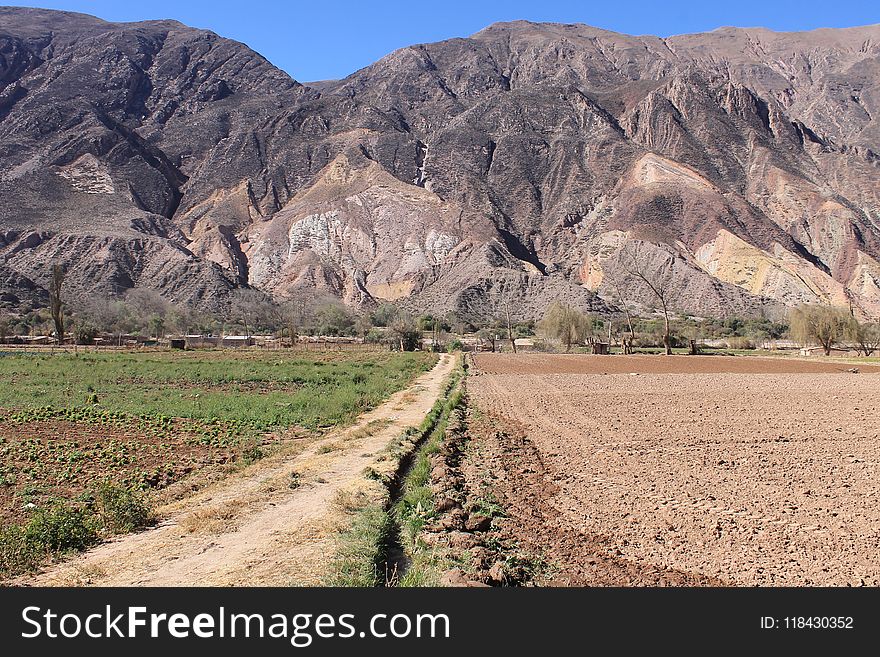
[{"x": 381, "y": 545}]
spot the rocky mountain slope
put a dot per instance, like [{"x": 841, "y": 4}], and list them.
[{"x": 739, "y": 169}]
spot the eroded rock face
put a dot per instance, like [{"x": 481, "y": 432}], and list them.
[{"x": 511, "y": 168}]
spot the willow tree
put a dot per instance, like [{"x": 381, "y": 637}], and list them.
[
  {"x": 865, "y": 336},
  {"x": 565, "y": 323},
  {"x": 820, "y": 324}
]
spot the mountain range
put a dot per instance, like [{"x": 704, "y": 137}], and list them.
[{"x": 739, "y": 169}]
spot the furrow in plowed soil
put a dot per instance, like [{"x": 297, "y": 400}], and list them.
[{"x": 738, "y": 477}]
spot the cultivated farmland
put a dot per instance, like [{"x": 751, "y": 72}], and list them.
[
  {"x": 74, "y": 426},
  {"x": 682, "y": 470}
]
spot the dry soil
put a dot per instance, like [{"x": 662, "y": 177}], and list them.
[{"x": 743, "y": 471}]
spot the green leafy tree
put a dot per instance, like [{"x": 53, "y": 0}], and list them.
[
  {"x": 333, "y": 318},
  {"x": 363, "y": 324},
  {"x": 84, "y": 332},
  {"x": 384, "y": 314},
  {"x": 404, "y": 333}
]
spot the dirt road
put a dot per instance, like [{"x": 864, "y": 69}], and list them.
[
  {"x": 271, "y": 524},
  {"x": 747, "y": 478}
]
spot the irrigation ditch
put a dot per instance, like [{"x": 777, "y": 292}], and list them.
[{"x": 425, "y": 525}]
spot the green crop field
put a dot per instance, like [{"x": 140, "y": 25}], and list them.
[
  {"x": 262, "y": 390},
  {"x": 72, "y": 425}
]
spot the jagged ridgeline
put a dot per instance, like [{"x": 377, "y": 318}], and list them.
[{"x": 509, "y": 168}]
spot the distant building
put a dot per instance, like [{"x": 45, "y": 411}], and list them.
[
  {"x": 820, "y": 351},
  {"x": 237, "y": 341}
]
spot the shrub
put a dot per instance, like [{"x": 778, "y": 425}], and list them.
[
  {"x": 61, "y": 528},
  {"x": 85, "y": 333},
  {"x": 121, "y": 510},
  {"x": 64, "y": 528},
  {"x": 16, "y": 554},
  {"x": 543, "y": 346},
  {"x": 251, "y": 454},
  {"x": 740, "y": 343},
  {"x": 374, "y": 336},
  {"x": 524, "y": 329},
  {"x": 455, "y": 345}
]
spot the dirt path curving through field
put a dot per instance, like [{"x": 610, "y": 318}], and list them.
[{"x": 271, "y": 524}]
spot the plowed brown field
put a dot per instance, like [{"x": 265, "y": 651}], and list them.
[
  {"x": 745, "y": 470},
  {"x": 648, "y": 364}
]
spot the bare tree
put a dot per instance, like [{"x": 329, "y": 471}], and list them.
[
  {"x": 634, "y": 266},
  {"x": 250, "y": 309},
  {"x": 510, "y": 335},
  {"x": 105, "y": 315},
  {"x": 613, "y": 281},
  {"x": 149, "y": 310},
  {"x": 820, "y": 324},
  {"x": 56, "y": 305},
  {"x": 865, "y": 336},
  {"x": 291, "y": 315}
]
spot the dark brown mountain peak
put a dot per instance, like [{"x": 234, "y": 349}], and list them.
[{"x": 514, "y": 166}]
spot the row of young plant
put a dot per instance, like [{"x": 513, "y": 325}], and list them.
[
  {"x": 212, "y": 432},
  {"x": 416, "y": 506},
  {"x": 395, "y": 517}
]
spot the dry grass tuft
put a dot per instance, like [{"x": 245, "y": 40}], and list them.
[{"x": 215, "y": 520}]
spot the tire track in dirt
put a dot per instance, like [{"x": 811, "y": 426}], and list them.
[{"x": 274, "y": 523}]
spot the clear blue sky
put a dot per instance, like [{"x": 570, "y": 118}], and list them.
[{"x": 327, "y": 39}]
